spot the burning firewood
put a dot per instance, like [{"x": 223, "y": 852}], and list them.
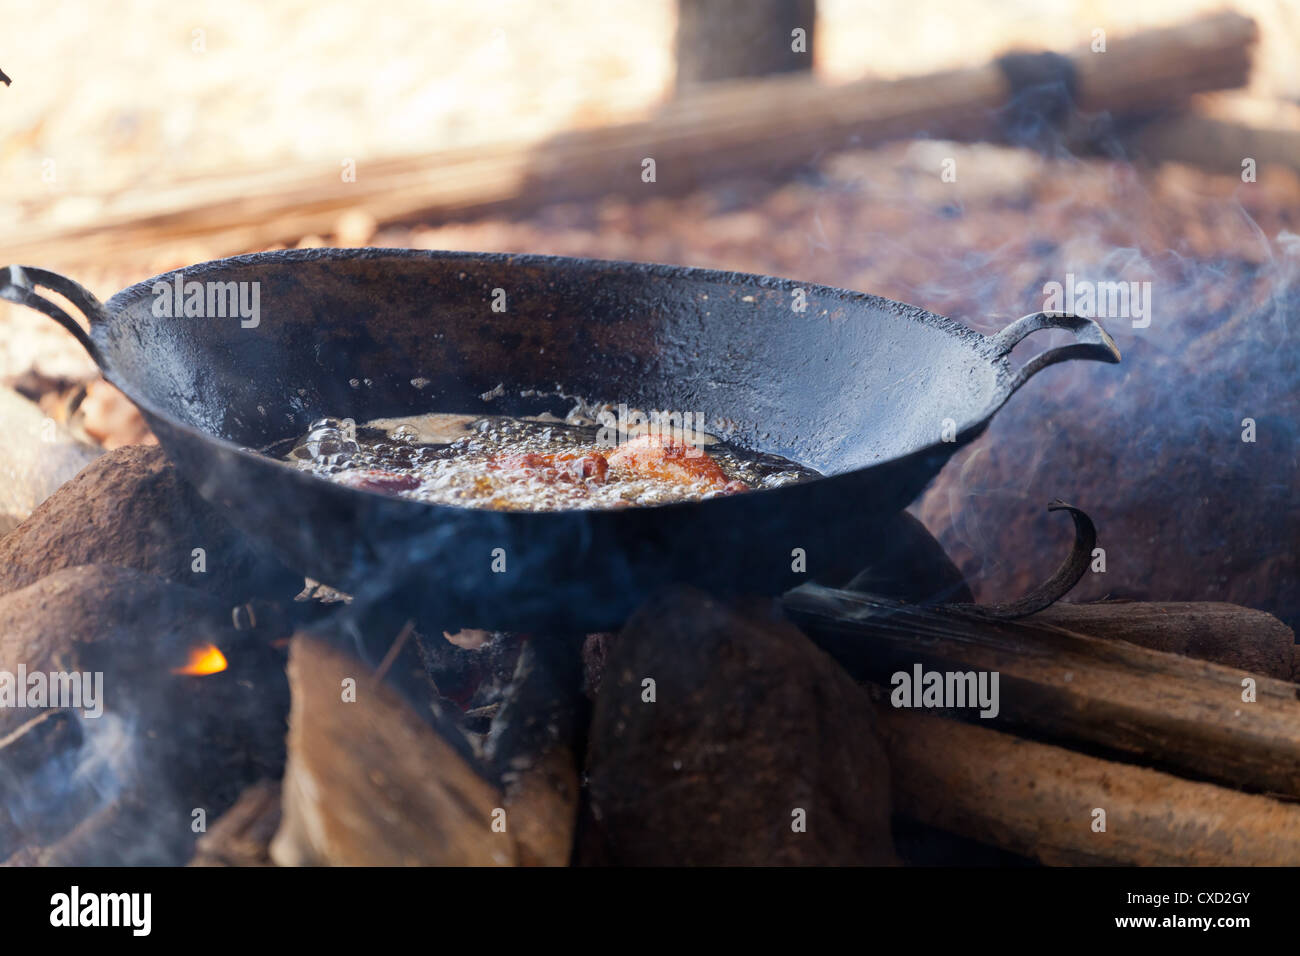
[
  {"x": 726, "y": 737},
  {"x": 103, "y": 721},
  {"x": 469, "y": 670},
  {"x": 368, "y": 783},
  {"x": 532, "y": 745}
]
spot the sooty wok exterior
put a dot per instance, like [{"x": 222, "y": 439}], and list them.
[{"x": 859, "y": 387}]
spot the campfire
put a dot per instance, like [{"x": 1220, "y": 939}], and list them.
[
  {"x": 203, "y": 660},
  {"x": 320, "y": 556}
]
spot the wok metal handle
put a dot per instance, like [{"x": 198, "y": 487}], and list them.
[
  {"x": 19, "y": 284},
  {"x": 1060, "y": 584},
  {"x": 1093, "y": 342}
]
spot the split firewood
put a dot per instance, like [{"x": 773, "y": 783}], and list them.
[
  {"x": 110, "y": 418},
  {"x": 130, "y": 508},
  {"x": 725, "y": 737},
  {"x": 38, "y": 456},
  {"x": 243, "y": 834},
  {"x": 1171, "y": 711},
  {"x": 368, "y": 783},
  {"x": 1239, "y": 637},
  {"x": 532, "y": 745},
  {"x": 1050, "y": 803}
]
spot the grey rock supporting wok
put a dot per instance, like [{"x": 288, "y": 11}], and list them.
[{"x": 875, "y": 394}]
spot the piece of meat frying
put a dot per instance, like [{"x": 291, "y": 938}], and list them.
[
  {"x": 659, "y": 456},
  {"x": 564, "y": 466},
  {"x": 384, "y": 482}
]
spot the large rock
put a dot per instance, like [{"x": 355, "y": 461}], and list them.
[
  {"x": 126, "y": 780},
  {"x": 752, "y": 731},
  {"x": 130, "y": 508},
  {"x": 1191, "y": 503},
  {"x": 113, "y": 619}
]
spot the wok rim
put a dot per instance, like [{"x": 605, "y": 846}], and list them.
[{"x": 977, "y": 341}]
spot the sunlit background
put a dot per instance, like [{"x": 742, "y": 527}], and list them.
[{"x": 119, "y": 111}]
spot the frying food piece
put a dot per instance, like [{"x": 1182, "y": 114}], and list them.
[
  {"x": 659, "y": 456},
  {"x": 564, "y": 466},
  {"x": 384, "y": 482},
  {"x": 502, "y": 463}
]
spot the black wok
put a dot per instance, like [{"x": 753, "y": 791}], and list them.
[{"x": 863, "y": 389}]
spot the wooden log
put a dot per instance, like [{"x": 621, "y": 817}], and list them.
[
  {"x": 1218, "y": 145},
  {"x": 532, "y": 745},
  {"x": 1153, "y": 69},
  {"x": 1165, "y": 709},
  {"x": 766, "y": 126},
  {"x": 1227, "y": 634},
  {"x": 1040, "y": 801},
  {"x": 368, "y": 783},
  {"x": 242, "y": 835}
]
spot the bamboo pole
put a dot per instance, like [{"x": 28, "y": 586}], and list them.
[
  {"x": 1042, "y": 802},
  {"x": 767, "y": 126}
]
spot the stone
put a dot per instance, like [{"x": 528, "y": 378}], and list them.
[
  {"x": 723, "y": 736},
  {"x": 130, "y": 508}
]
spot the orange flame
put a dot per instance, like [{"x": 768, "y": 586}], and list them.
[{"x": 204, "y": 659}]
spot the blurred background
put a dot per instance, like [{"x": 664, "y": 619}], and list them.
[{"x": 891, "y": 155}]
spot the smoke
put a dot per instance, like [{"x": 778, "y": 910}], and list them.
[
  {"x": 1185, "y": 455},
  {"x": 46, "y": 795}
]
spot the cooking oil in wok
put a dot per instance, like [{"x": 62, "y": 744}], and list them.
[{"x": 531, "y": 464}]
